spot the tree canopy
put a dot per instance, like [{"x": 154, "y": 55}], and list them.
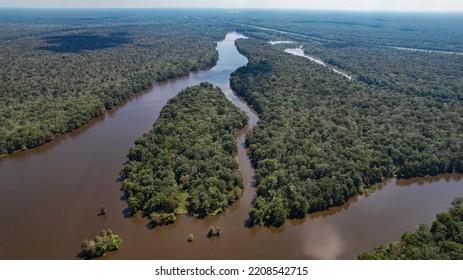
[
  {"x": 321, "y": 139},
  {"x": 60, "y": 71},
  {"x": 188, "y": 162}
]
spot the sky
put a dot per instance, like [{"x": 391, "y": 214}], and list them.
[{"x": 359, "y": 5}]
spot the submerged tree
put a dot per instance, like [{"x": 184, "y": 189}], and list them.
[
  {"x": 103, "y": 210},
  {"x": 100, "y": 245}
]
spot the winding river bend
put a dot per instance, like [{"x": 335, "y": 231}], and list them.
[{"x": 51, "y": 196}]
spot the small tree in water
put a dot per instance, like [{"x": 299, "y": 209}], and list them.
[
  {"x": 211, "y": 232},
  {"x": 100, "y": 245},
  {"x": 214, "y": 231},
  {"x": 103, "y": 210}
]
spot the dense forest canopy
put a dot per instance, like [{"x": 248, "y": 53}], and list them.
[
  {"x": 442, "y": 241},
  {"x": 188, "y": 162},
  {"x": 322, "y": 139},
  {"x": 424, "y": 73},
  {"x": 437, "y": 75},
  {"x": 59, "y": 70}
]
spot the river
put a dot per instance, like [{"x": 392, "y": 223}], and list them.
[
  {"x": 426, "y": 50},
  {"x": 51, "y": 196},
  {"x": 300, "y": 52}
]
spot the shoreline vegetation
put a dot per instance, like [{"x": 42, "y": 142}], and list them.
[
  {"x": 442, "y": 241},
  {"x": 188, "y": 162}
]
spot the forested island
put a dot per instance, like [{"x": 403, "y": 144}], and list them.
[
  {"x": 188, "y": 162},
  {"x": 442, "y": 241},
  {"x": 57, "y": 75}
]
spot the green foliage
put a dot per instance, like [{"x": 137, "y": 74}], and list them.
[
  {"x": 321, "y": 139},
  {"x": 160, "y": 218},
  {"x": 273, "y": 212},
  {"x": 378, "y": 50},
  {"x": 188, "y": 161},
  {"x": 436, "y": 75},
  {"x": 443, "y": 240},
  {"x": 58, "y": 72},
  {"x": 100, "y": 245}
]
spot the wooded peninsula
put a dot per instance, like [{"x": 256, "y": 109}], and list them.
[{"x": 187, "y": 163}]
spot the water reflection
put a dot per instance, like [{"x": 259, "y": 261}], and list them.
[
  {"x": 326, "y": 242},
  {"x": 429, "y": 180}
]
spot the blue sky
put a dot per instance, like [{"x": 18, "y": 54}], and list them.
[{"x": 377, "y": 5}]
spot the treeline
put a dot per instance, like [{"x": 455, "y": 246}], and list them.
[
  {"x": 57, "y": 78},
  {"x": 188, "y": 162},
  {"x": 415, "y": 73},
  {"x": 442, "y": 241},
  {"x": 425, "y": 31},
  {"x": 322, "y": 139},
  {"x": 374, "y": 61}
]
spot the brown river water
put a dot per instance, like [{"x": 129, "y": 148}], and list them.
[{"x": 51, "y": 196}]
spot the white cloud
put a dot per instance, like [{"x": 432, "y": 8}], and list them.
[{"x": 387, "y": 5}]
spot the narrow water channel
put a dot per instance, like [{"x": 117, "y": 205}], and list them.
[
  {"x": 51, "y": 196},
  {"x": 300, "y": 52}
]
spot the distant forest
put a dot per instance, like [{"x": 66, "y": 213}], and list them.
[{"x": 60, "y": 71}]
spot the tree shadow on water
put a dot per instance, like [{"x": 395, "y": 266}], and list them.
[
  {"x": 127, "y": 213},
  {"x": 84, "y": 42}
]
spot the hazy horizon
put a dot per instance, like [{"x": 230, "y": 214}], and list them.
[{"x": 328, "y": 5}]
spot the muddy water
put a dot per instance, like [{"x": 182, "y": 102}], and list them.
[{"x": 51, "y": 196}]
